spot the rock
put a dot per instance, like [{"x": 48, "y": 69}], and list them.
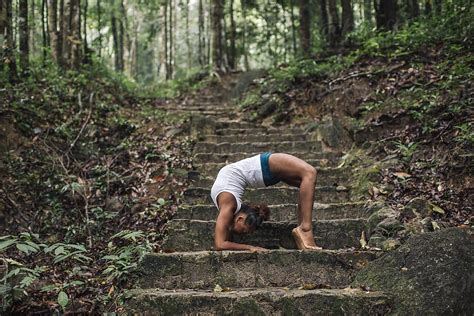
[
  {"x": 431, "y": 274},
  {"x": 389, "y": 226},
  {"x": 331, "y": 132},
  {"x": 267, "y": 108},
  {"x": 390, "y": 244},
  {"x": 380, "y": 215},
  {"x": 417, "y": 207}
]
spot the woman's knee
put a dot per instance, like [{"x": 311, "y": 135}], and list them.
[{"x": 310, "y": 174}]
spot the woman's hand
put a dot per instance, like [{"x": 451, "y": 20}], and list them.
[{"x": 258, "y": 249}]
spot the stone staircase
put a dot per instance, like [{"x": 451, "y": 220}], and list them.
[{"x": 190, "y": 278}]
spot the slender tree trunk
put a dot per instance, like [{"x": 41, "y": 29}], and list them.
[
  {"x": 305, "y": 31},
  {"x": 438, "y": 6},
  {"x": 32, "y": 27},
  {"x": 99, "y": 27},
  {"x": 334, "y": 26},
  {"x": 293, "y": 27},
  {"x": 428, "y": 7},
  {"x": 75, "y": 41},
  {"x": 113, "y": 22},
  {"x": 23, "y": 36},
  {"x": 324, "y": 20},
  {"x": 202, "y": 43},
  {"x": 53, "y": 27},
  {"x": 44, "y": 31},
  {"x": 121, "y": 35},
  {"x": 188, "y": 42},
  {"x": 87, "y": 55},
  {"x": 244, "y": 36},
  {"x": 347, "y": 17},
  {"x": 173, "y": 36},
  {"x": 3, "y": 32},
  {"x": 10, "y": 44},
  {"x": 165, "y": 39},
  {"x": 66, "y": 33},
  {"x": 232, "y": 37},
  {"x": 216, "y": 17},
  {"x": 368, "y": 11}
]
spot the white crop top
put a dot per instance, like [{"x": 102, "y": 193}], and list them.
[{"x": 235, "y": 177}]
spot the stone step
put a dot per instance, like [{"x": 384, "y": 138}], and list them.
[
  {"x": 255, "y": 129},
  {"x": 269, "y": 301},
  {"x": 208, "y": 147},
  {"x": 201, "y": 112},
  {"x": 334, "y": 177},
  {"x": 236, "y": 269},
  {"x": 282, "y": 212},
  {"x": 255, "y": 137},
  {"x": 270, "y": 195},
  {"x": 332, "y": 157},
  {"x": 194, "y": 235},
  {"x": 233, "y": 124}
]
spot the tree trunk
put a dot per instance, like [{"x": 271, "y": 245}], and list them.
[
  {"x": 99, "y": 27},
  {"x": 428, "y": 7},
  {"x": 201, "y": 39},
  {"x": 232, "y": 55},
  {"x": 386, "y": 14},
  {"x": 53, "y": 28},
  {"x": 188, "y": 42},
  {"x": 44, "y": 32},
  {"x": 10, "y": 44},
  {"x": 216, "y": 16},
  {"x": 66, "y": 33},
  {"x": 75, "y": 33},
  {"x": 414, "y": 8},
  {"x": 334, "y": 27},
  {"x": 368, "y": 11},
  {"x": 23, "y": 36},
  {"x": 113, "y": 22},
  {"x": 347, "y": 17},
  {"x": 438, "y": 6},
  {"x": 121, "y": 35},
  {"x": 174, "y": 42},
  {"x": 165, "y": 39},
  {"x": 244, "y": 36},
  {"x": 87, "y": 55},
  {"x": 32, "y": 27},
  {"x": 324, "y": 20},
  {"x": 293, "y": 27},
  {"x": 305, "y": 31},
  {"x": 3, "y": 31}
]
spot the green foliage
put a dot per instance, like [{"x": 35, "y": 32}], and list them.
[
  {"x": 406, "y": 150},
  {"x": 126, "y": 249}
]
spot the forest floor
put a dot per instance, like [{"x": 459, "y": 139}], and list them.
[{"x": 91, "y": 172}]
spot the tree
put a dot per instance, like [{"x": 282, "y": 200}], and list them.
[
  {"x": 10, "y": 46},
  {"x": 217, "y": 49},
  {"x": 334, "y": 27},
  {"x": 386, "y": 14},
  {"x": 244, "y": 35},
  {"x": 53, "y": 29},
  {"x": 347, "y": 17},
  {"x": 293, "y": 27},
  {"x": 232, "y": 36},
  {"x": 23, "y": 36},
  {"x": 201, "y": 40},
  {"x": 324, "y": 29},
  {"x": 305, "y": 31},
  {"x": 3, "y": 30},
  {"x": 115, "y": 38}
]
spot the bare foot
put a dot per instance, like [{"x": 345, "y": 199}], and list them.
[{"x": 304, "y": 240}]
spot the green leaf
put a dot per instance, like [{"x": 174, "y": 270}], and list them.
[
  {"x": 6, "y": 244},
  {"x": 63, "y": 299},
  {"x": 59, "y": 250},
  {"x": 161, "y": 201},
  {"x": 25, "y": 248},
  {"x": 437, "y": 209}
]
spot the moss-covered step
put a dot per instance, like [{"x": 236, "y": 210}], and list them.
[
  {"x": 255, "y": 137},
  {"x": 259, "y": 130},
  {"x": 283, "y": 212},
  {"x": 270, "y": 195},
  {"x": 194, "y": 235},
  {"x": 331, "y": 157},
  {"x": 289, "y": 268},
  {"x": 207, "y": 147},
  {"x": 268, "y": 301}
]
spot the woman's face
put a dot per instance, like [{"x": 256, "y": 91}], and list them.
[{"x": 240, "y": 227}]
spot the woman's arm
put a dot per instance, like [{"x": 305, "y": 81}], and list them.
[{"x": 222, "y": 235}]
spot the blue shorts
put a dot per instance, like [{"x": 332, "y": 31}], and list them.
[{"x": 268, "y": 177}]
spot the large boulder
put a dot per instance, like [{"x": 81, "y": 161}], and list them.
[{"x": 430, "y": 274}]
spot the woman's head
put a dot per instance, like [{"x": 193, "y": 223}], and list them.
[{"x": 250, "y": 217}]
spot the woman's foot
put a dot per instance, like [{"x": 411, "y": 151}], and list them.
[{"x": 304, "y": 240}]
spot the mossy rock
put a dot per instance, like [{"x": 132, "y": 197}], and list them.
[
  {"x": 431, "y": 274},
  {"x": 380, "y": 215}
]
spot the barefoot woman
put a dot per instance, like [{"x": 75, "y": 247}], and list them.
[{"x": 261, "y": 170}]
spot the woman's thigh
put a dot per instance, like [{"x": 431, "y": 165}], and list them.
[{"x": 288, "y": 168}]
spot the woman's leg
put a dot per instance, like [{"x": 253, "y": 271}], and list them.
[{"x": 297, "y": 172}]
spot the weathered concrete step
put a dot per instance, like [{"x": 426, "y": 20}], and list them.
[
  {"x": 194, "y": 235},
  {"x": 235, "y": 269},
  {"x": 207, "y": 147},
  {"x": 325, "y": 177},
  {"x": 254, "y": 137},
  {"x": 283, "y": 212},
  {"x": 332, "y": 157},
  {"x": 269, "y": 301},
  {"x": 255, "y": 129},
  {"x": 270, "y": 195}
]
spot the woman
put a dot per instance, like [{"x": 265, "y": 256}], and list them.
[{"x": 259, "y": 171}]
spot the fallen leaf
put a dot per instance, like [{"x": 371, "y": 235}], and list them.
[
  {"x": 437, "y": 209},
  {"x": 402, "y": 175},
  {"x": 218, "y": 288},
  {"x": 363, "y": 240}
]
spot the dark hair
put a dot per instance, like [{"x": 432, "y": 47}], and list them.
[{"x": 256, "y": 214}]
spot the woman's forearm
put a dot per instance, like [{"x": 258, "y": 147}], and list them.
[{"x": 229, "y": 245}]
